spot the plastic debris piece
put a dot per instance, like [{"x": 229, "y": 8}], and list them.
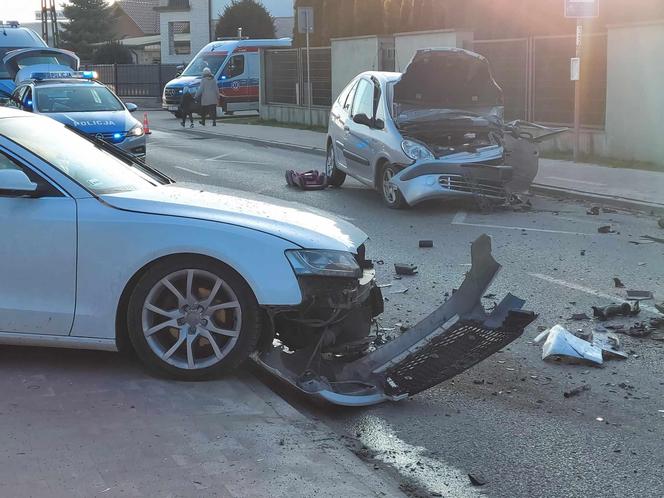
[
  {"x": 609, "y": 343},
  {"x": 426, "y": 243},
  {"x": 606, "y": 312},
  {"x": 650, "y": 238},
  {"x": 405, "y": 269},
  {"x": 477, "y": 479},
  {"x": 576, "y": 391},
  {"x": 594, "y": 211},
  {"x": 617, "y": 283},
  {"x": 560, "y": 343},
  {"x": 605, "y": 229},
  {"x": 660, "y": 307},
  {"x": 639, "y": 295}
]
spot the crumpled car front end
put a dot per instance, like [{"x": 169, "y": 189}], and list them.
[
  {"x": 325, "y": 349},
  {"x": 449, "y": 110}
]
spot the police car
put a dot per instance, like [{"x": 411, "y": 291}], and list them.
[{"x": 75, "y": 98}]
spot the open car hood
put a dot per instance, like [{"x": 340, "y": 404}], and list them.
[
  {"x": 448, "y": 78},
  {"x": 22, "y": 62}
]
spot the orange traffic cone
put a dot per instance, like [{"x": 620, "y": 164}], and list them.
[{"x": 146, "y": 124}]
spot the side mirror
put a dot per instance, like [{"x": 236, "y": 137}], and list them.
[
  {"x": 379, "y": 124},
  {"x": 131, "y": 107},
  {"x": 362, "y": 119},
  {"x": 13, "y": 182}
]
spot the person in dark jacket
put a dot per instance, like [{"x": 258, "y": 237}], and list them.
[
  {"x": 208, "y": 95},
  {"x": 187, "y": 107}
]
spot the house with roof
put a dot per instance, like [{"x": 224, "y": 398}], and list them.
[{"x": 136, "y": 26}]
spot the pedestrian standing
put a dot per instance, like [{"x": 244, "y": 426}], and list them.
[
  {"x": 208, "y": 95},
  {"x": 187, "y": 107}
]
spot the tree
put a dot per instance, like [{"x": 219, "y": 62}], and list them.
[
  {"x": 112, "y": 53},
  {"x": 90, "y": 21},
  {"x": 250, "y": 15}
]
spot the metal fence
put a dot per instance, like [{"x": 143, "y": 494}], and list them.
[
  {"x": 535, "y": 76},
  {"x": 286, "y": 76},
  {"x": 135, "y": 80}
]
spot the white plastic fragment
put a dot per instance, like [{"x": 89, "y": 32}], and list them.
[{"x": 561, "y": 343}]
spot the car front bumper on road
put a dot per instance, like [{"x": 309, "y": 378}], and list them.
[{"x": 442, "y": 180}]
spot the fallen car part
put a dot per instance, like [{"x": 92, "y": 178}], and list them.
[
  {"x": 639, "y": 295},
  {"x": 309, "y": 180},
  {"x": 593, "y": 211},
  {"x": 560, "y": 344},
  {"x": 452, "y": 339},
  {"x": 405, "y": 269},
  {"x": 624, "y": 309},
  {"x": 576, "y": 391},
  {"x": 426, "y": 243},
  {"x": 618, "y": 283},
  {"x": 609, "y": 343},
  {"x": 605, "y": 229}
]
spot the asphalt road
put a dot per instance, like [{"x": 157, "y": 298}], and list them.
[{"x": 507, "y": 417}]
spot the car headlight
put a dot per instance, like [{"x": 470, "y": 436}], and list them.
[
  {"x": 415, "y": 150},
  {"x": 324, "y": 263},
  {"x": 136, "y": 131}
]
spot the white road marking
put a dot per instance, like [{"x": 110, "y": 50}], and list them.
[
  {"x": 459, "y": 219},
  {"x": 570, "y": 180},
  {"x": 588, "y": 290},
  {"x": 191, "y": 171},
  {"x": 220, "y": 156}
]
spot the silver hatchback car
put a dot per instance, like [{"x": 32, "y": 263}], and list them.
[{"x": 434, "y": 132}]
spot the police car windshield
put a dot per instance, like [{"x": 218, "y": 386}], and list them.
[
  {"x": 82, "y": 160},
  {"x": 213, "y": 60},
  {"x": 75, "y": 98}
]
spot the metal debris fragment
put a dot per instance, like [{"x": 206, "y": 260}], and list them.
[
  {"x": 639, "y": 295},
  {"x": 405, "y": 269},
  {"x": 605, "y": 229},
  {"x": 617, "y": 283},
  {"x": 426, "y": 243},
  {"x": 560, "y": 343}
]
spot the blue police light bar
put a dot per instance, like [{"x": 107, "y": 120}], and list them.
[
  {"x": 88, "y": 75},
  {"x": 50, "y": 75},
  {"x": 117, "y": 136}
]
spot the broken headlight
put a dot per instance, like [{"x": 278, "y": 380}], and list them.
[
  {"x": 324, "y": 262},
  {"x": 415, "y": 150}
]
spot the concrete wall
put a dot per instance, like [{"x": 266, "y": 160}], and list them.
[
  {"x": 406, "y": 44},
  {"x": 199, "y": 22},
  {"x": 635, "y": 92},
  {"x": 350, "y": 57}
]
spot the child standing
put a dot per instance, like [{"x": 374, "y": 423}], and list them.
[{"x": 187, "y": 107}]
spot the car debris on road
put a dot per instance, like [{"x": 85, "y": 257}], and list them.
[
  {"x": 561, "y": 344},
  {"x": 452, "y": 339},
  {"x": 405, "y": 269},
  {"x": 612, "y": 310}
]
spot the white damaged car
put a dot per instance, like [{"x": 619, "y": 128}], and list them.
[{"x": 100, "y": 251}]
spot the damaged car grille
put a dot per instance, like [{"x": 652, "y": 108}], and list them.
[{"x": 460, "y": 183}]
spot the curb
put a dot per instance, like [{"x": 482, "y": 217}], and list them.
[
  {"x": 550, "y": 191},
  {"x": 613, "y": 201}
]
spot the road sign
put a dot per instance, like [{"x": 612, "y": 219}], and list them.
[
  {"x": 580, "y": 9},
  {"x": 575, "y": 69},
  {"x": 305, "y": 20}
]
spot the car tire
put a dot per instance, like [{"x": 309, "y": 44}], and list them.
[
  {"x": 335, "y": 177},
  {"x": 174, "y": 318},
  {"x": 390, "y": 194}
]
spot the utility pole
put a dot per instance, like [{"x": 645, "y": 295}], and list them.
[
  {"x": 579, "y": 10},
  {"x": 49, "y": 14}
]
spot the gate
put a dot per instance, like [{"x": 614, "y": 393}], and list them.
[
  {"x": 535, "y": 76},
  {"x": 135, "y": 80}
]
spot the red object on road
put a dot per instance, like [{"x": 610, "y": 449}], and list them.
[{"x": 146, "y": 124}]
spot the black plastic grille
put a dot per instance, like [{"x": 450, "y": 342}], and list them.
[{"x": 463, "y": 346}]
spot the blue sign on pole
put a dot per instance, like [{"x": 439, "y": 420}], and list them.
[{"x": 580, "y": 9}]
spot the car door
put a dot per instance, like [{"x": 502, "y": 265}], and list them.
[
  {"x": 357, "y": 149},
  {"x": 37, "y": 256},
  {"x": 234, "y": 83},
  {"x": 339, "y": 117}
]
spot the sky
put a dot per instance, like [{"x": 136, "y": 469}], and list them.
[{"x": 24, "y": 10}]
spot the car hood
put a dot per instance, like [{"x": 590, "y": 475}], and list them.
[
  {"x": 183, "y": 81},
  {"x": 450, "y": 78},
  {"x": 96, "y": 122},
  {"x": 301, "y": 225}
]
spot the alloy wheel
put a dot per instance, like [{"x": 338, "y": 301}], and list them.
[
  {"x": 389, "y": 190},
  {"x": 191, "y": 319}
]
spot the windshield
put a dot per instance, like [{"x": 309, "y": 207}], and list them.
[
  {"x": 76, "y": 98},
  {"x": 213, "y": 60},
  {"x": 51, "y": 59},
  {"x": 4, "y": 74},
  {"x": 80, "y": 159}
]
